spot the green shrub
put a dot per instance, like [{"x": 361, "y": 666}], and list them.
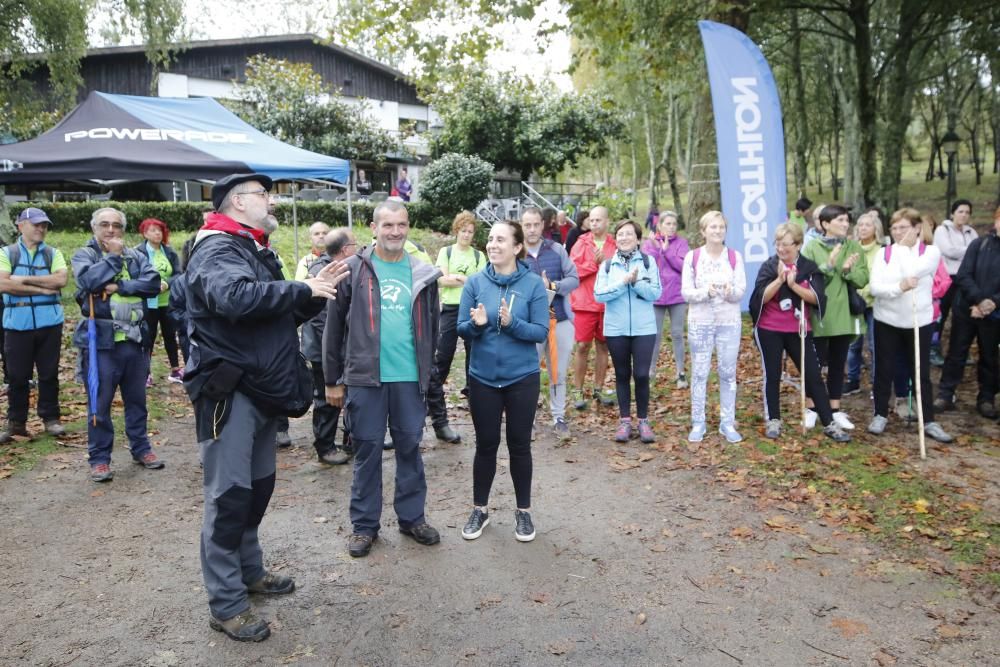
[
  {"x": 455, "y": 182},
  {"x": 69, "y": 216}
]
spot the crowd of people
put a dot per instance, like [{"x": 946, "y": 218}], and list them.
[{"x": 380, "y": 327}]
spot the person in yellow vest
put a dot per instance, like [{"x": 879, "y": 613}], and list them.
[
  {"x": 31, "y": 276},
  {"x": 117, "y": 281},
  {"x": 317, "y": 235}
]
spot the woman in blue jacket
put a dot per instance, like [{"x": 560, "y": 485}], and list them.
[
  {"x": 503, "y": 314},
  {"x": 627, "y": 285}
]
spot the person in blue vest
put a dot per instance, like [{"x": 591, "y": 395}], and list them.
[
  {"x": 32, "y": 274},
  {"x": 550, "y": 260},
  {"x": 117, "y": 280}
]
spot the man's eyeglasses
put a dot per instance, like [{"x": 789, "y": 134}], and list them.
[
  {"x": 115, "y": 225},
  {"x": 262, "y": 191}
]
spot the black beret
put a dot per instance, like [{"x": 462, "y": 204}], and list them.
[{"x": 224, "y": 185}]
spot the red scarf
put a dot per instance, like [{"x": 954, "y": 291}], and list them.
[{"x": 223, "y": 223}]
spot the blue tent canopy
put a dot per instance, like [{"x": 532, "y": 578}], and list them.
[{"x": 126, "y": 137}]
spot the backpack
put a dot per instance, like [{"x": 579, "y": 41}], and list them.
[
  {"x": 14, "y": 253},
  {"x": 448, "y": 254},
  {"x": 697, "y": 253},
  {"x": 645, "y": 262},
  {"x": 888, "y": 251}
]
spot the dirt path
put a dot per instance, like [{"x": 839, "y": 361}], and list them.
[{"x": 650, "y": 565}]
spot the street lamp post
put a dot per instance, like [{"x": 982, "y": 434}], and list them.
[{"x": 949, "y": 143}]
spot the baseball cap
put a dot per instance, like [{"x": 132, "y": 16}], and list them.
[
  {"x": 35, "y": 216},
  {"x": 224, "y": 185}
]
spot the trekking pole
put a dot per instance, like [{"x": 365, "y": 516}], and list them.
[
  {"x": 802, "y": 363},
  {"x": 916, "y": 376}
]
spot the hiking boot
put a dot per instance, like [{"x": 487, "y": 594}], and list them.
[
  {"x": 245, "y": 627},
  {"x": 646, "y": 432},
  {"x": 54, "y": 428},
  {"x": 334, "y": 457},
  {"x": 150, "y": 461},
  {"x": 697, "y": 433},
  {"x": 837, "y": 434},
  {"x": 731, "y": 434},
  {"x": 272, "y": 584},
  {"x": 474, "y": 526},
  {"x": 359, "y": 545},
  {"x": 773, "y": 429},
  {"x": 283, "y": 439},
  {"x": 101, "y": 472},
  {"x": 811, "y": 417},
  {"x": 176, "y": 376},
  {"x": 624, "y": 431},
  {"x": 944, "y": 404},
  {"x": 579, "y": 402},
  {"x": 934, "y": 430},
  {"x": 877, "y": 425},
  {"x": 987, "y": 410},
  {"x": 607, "y": 398},
  {"x": 423, "y": 534},
  {"x": 13, "y": 428},
  {"x": 936, "y": 358},
  {"x": 843, "y": 421},
  {"x": 561, "y": 429},
  {"x": 524, "y": 530},
  {"x": 682, "y": 382},
  {"x": 852, "y": 387},
  {"x": 448, "y": 434}
]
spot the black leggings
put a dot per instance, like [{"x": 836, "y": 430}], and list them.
[
  {"x": 888, "y": 341},
  {"x": 771, "y": 345},
  {"x": 518, "y": 402},
  {"x": 832, "y": 353},
  {"x": 159, "y": 316},
  {"x": 632, "y": 356}
]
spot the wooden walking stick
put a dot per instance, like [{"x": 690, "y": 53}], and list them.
[
  {"x": 802, "y": 362},
  {"x": 916, "y": 375}
]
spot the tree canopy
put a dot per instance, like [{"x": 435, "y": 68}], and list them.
[
  {"x": 291, "y": 102},
  {"x": 514, "y": 125}
]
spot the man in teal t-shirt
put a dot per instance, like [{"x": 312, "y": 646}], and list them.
[{"x": 378, "y": 343}]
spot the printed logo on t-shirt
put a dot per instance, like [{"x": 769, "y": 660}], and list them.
[{"x": 392, "y": 290}]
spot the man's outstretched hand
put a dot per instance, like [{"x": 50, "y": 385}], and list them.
[{"x": 324, "y": 284}]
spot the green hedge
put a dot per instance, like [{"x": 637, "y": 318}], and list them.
[{"x": 68, "y": 216}]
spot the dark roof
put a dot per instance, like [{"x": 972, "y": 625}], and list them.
[{"x": 254, "y": 41}]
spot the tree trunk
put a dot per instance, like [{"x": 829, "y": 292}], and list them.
[
  {"x": 654, "y": 164},
  {"x": 845, "y": 90},
  {"x": 860, "y": 16},
  {"x": 898, "y": 96},
  {"x": 801, "y": 135}
]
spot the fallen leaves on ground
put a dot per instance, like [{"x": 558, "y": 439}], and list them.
[{"x": 848, "y": 628}]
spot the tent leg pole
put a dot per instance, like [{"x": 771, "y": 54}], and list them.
[
  {"x": 350, "y": 218},
  {"x": 295, "y": 219}
]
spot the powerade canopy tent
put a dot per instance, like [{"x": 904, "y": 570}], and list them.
[{"x": 125, "y": 137}]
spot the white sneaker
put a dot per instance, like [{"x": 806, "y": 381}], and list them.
[
  {"x": 840, "y": 418},
  {"x": 811, "y": 418}
]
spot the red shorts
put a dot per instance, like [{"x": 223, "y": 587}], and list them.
[{"x": 589, "y": 326}]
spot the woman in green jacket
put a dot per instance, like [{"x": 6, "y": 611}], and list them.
[
  {"x": 868, "y": 232},
  {"x": 842, "y": 262}
]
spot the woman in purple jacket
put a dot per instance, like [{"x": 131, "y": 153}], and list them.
[{"x": 669, "y": 249}]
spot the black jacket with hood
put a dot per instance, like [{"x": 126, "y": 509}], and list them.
[{"x": 243, "y": 313}]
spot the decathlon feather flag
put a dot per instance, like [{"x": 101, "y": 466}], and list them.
[{"x": 750, "y": 141}]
